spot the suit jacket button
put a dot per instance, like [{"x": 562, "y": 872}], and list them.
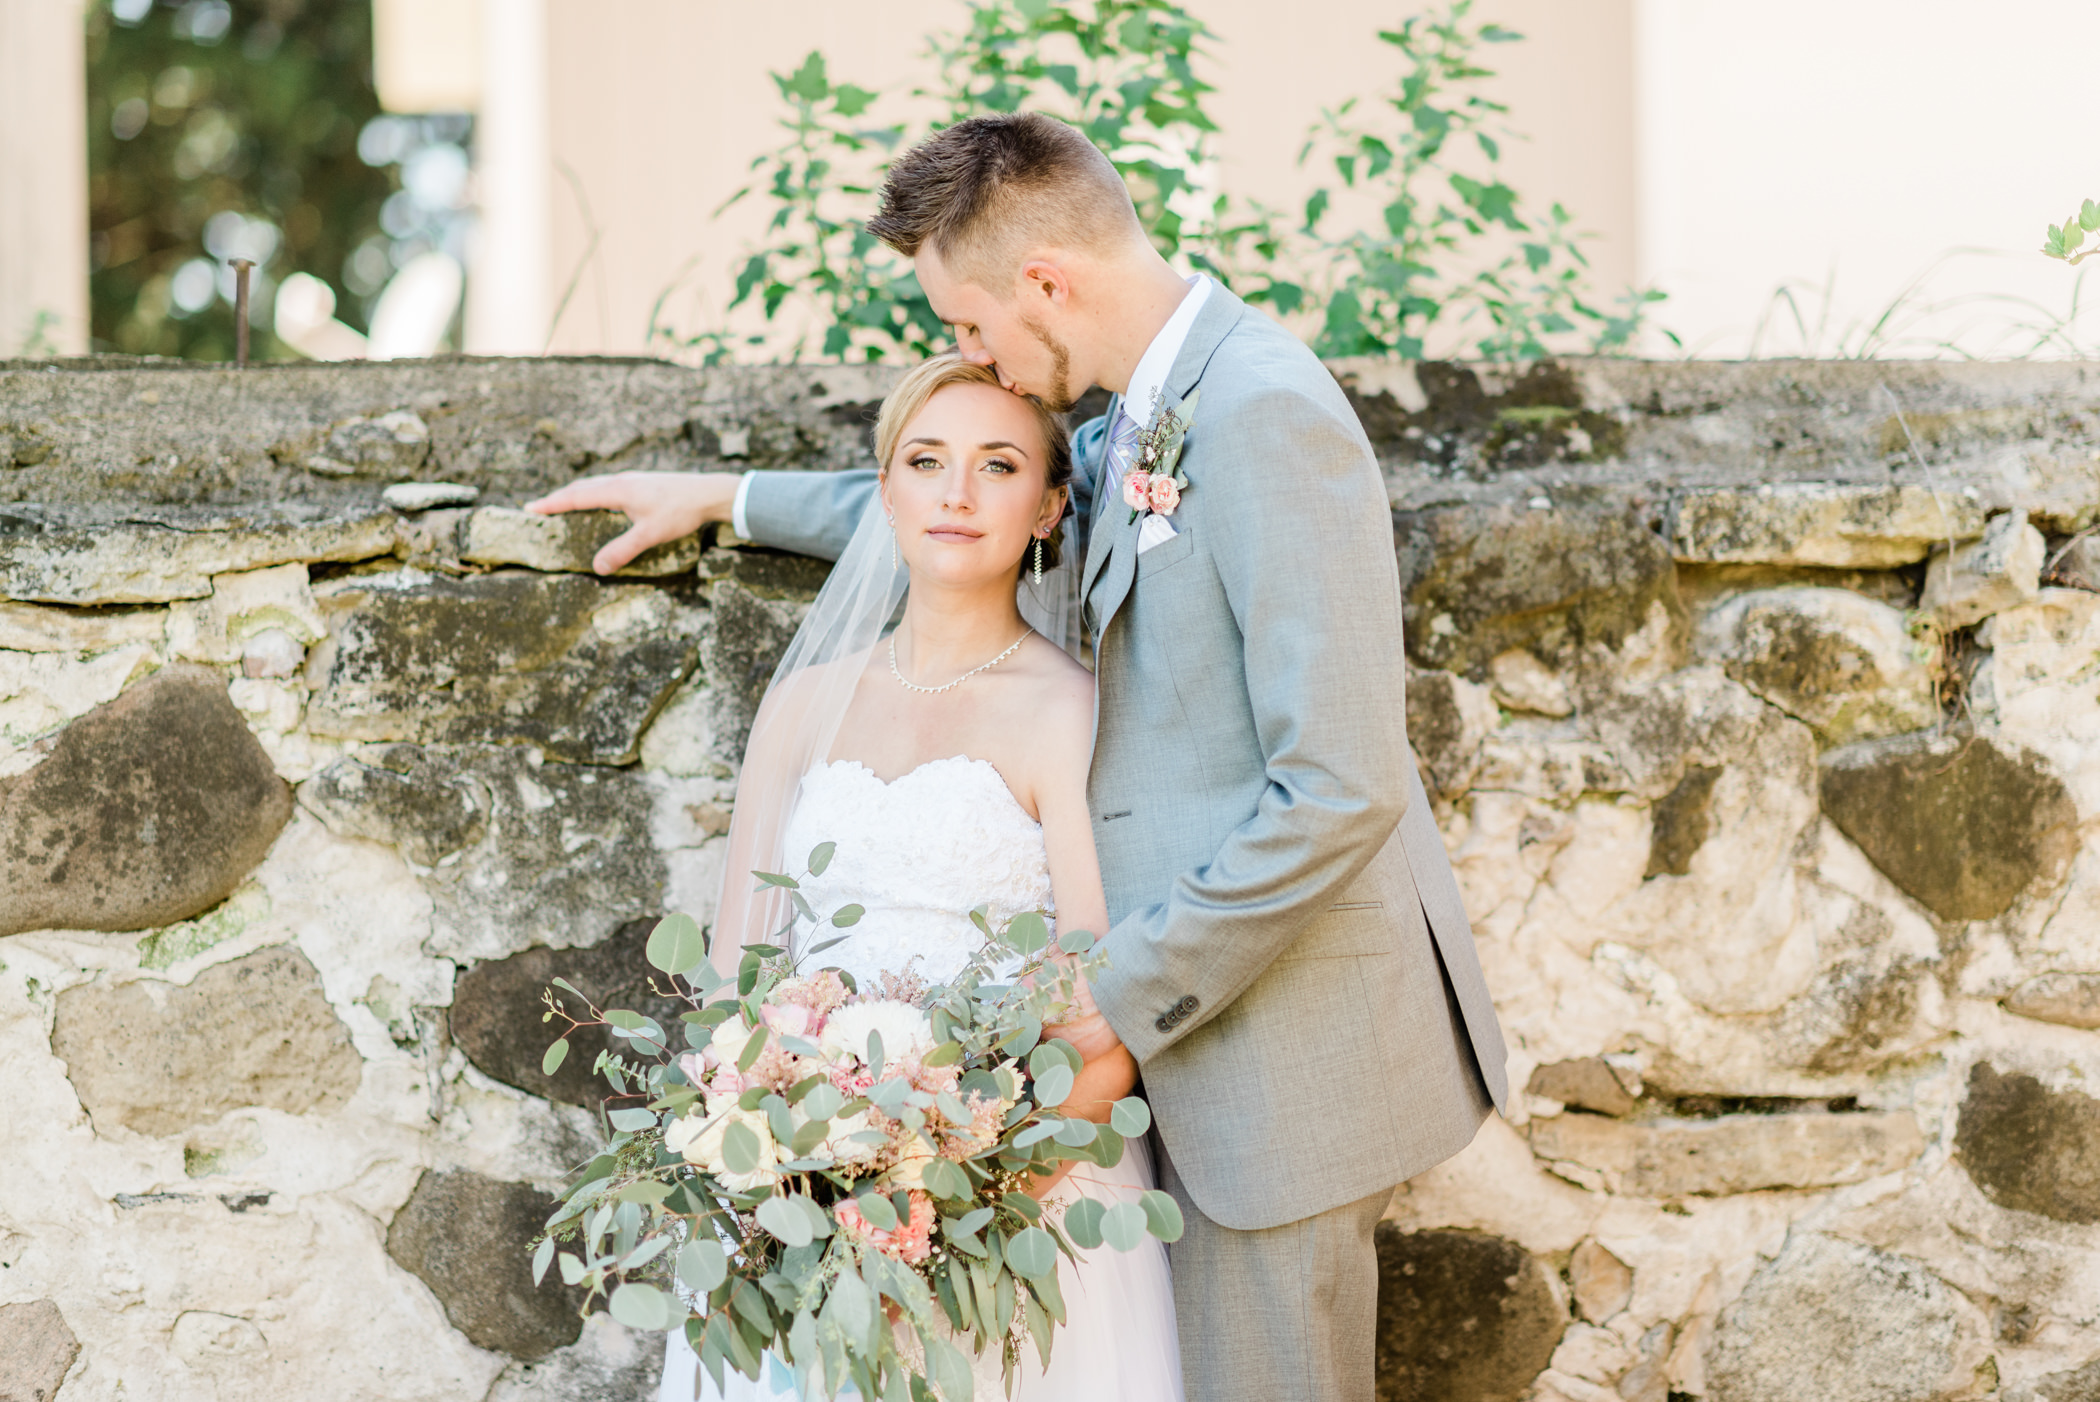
[{"x": 1163, "y": 1025}]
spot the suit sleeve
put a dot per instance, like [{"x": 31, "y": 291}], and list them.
[
  {"x": 1300, "y": 534},
  {"x": 810, "y": 513}
]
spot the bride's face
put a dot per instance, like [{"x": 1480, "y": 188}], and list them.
[{"x": 967, "y": 487}]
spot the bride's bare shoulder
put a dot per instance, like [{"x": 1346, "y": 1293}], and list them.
[
  {"x": 791, "y": 696},
  {"x": 1061, "y": 691}
]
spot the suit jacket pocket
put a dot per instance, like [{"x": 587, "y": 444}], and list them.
[
  {"x": 1349, "y": 929},
  {"x": 1167, "y": 553}
]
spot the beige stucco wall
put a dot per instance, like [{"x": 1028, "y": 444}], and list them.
[{"x": 43, "y": 177}]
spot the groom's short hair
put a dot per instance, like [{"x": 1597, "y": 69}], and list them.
[{"x": 984, "y": 191}]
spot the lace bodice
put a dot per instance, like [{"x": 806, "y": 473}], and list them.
[{"x": 919, "y": 852}]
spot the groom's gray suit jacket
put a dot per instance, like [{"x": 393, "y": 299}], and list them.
[{"x": 1291, "y": 963}]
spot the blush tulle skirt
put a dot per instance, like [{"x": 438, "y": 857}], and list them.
[{"x": 1118, "y": 1343}]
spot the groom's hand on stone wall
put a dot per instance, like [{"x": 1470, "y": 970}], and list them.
[{"x": 662, "y": 505}]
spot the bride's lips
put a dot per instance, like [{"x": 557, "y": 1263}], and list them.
[{"x": 954, "y": 533}]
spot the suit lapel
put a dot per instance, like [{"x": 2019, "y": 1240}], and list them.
[
  {"x": 1112, "y": 553},
  {"x": 1101, "y": 527}
]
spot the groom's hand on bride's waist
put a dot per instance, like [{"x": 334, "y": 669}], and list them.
[{"x": 662, "y": 505}]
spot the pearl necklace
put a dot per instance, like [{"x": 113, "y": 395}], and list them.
[{"x": 937, "y": 690}]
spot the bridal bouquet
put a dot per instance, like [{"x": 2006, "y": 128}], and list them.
[{"x": 841, "y": 1176}]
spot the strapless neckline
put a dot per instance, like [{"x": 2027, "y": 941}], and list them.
[{"x": 982, "y": 766}]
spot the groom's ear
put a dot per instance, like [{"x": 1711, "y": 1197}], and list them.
[{"x": 1045, "y": 280}]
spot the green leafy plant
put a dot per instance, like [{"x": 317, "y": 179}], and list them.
[
  {"x": 865, "y": 301},
  {"x": 1456, "y": 262},
  {"x": 1394, "y": 289},
  {"x": 2064, "y": 240},
  {"x": 1121, "y": 70}
]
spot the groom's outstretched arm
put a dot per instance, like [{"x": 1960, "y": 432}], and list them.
[
  {"x": 1303, "y": 548},
  {"x": 810, "y": 513}
]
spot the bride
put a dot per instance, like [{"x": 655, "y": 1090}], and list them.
[{"x": 948, "y": 762}]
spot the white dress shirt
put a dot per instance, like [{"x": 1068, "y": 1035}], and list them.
[{"x": 1147, "y": 380}]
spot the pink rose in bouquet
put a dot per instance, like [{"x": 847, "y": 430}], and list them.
[{"x": 910, "y": 1242}]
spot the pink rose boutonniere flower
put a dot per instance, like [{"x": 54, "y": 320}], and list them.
[
  {"x": 1137, "y": 490},
  {"x": 1155, "y": 481}
]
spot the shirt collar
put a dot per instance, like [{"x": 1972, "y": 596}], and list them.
[{"x": 1157, "y": 363}]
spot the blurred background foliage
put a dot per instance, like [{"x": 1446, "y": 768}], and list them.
[{"x": 222, "y": 129}]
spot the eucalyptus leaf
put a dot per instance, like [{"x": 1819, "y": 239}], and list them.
[
  {"x": 1162, "y": 1214},
  {"x": 1028, "y": 934},
  {"x": 676, "y": 944},
  {"x": 1123, "y": 1226},
  {"x": 740, "y": 1149},
  {"x": 820, "y": 857},
  {"x": 844, "y": 918},
  {"x": 1083, "y": 1222},
  {"x": 1130, "y": 1116},
  {"x": 1038, "y": 1132},
  {"x": 786, "y": 1221},
  {"x": 648, "y": 1192},
  {"x": 631, "y": 1121},
  {"x": 1076, "y": 1133},
  {"x": 942, "y": 1179},
  {"x": 556, "y": 1055},
  {"x": 1031, "y": 1253},
  {"x": 947, "y": 1368},
  {"x": 643, "y": 1307},
  {"x": 542, "y": 1257},
  {"x": 1053, "y": 1086},
  {"x": 702, "y": 1264},
  {"x": 877, "y": 1211}
]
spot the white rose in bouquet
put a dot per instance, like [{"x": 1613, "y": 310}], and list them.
[
  {"x": 910, "y": 1169},
  {"x": 728, "y": 1041},
  {"x": 843, "y": 1148},
  {"x": 698, "y": 1138}
]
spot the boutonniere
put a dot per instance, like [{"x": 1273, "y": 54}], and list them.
[{"x": 1155, "y": 482}]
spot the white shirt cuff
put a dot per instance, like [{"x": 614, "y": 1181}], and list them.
[{"x": 737, "y": 520}]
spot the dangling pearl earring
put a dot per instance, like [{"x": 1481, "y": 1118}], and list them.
[{"x": 1038, "y": 562}]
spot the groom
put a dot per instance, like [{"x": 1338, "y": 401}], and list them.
[{"x": 1290, "y": 962}]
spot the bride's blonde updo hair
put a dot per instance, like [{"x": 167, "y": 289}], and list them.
[{"x": 929, "y": 378}]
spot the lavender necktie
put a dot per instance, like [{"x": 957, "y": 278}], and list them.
[{"x": 1122, "y": 452}]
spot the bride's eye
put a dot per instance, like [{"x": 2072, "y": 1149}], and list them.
[
  {"x": 999, "y": 465},
  {"x": 926, "y": 460}
]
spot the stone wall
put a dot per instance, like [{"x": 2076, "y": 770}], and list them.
[{"x": 1761, "y": 707}]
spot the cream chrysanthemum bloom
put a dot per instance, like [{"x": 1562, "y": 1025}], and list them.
[{"x": 904, "y": 1029}]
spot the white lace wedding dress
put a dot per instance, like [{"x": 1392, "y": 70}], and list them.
[{"x": 919, "y": 853}]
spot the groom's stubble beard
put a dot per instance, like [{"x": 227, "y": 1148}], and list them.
[{"x": 1057, "y": 395}]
